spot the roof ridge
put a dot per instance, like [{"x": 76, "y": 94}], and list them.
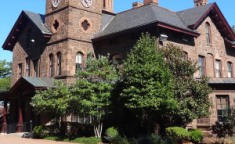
[
  {"x": 153, "y": 4},
  {"x": 132, "y": 9},
  {"x": 196, "y": 7}
]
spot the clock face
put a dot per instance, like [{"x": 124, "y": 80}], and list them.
[
  {"x": 55, "y": 3},
  {"x": 87, "y": 3}
]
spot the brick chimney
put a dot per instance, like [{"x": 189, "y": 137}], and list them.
[
  {"x": 108, "y": 5},
  {"x": 150, "y": 1},
  {"x": 137, "y": 4},
  {"x": 198, "y": 3}
]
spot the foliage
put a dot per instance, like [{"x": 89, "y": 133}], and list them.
[
  {"x": 147, "y": 79},
  {"x": 114, "y": 137},
  {"x": 178, "y": 133},
  {"x": 149, "y": 139},
  {"x": 228, "y": 140},
  {"x": 233, "y": 28},
  {"x": 84, "y": 140},
  {"x": 41, "y": 131},
  {"x": 196, "y": 135},
  {"x": 191, "y": 94},
  {"x": 90, "y": 95},
  {"x": 5, "y": 75},
  {"x": 112, "y": 132}
]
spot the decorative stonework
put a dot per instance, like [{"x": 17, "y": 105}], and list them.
[
  {"x": 85, "y": 25},
  {"x": 55, "y": 26}
]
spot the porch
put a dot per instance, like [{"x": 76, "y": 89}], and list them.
[{"x": 17, "y": 111}]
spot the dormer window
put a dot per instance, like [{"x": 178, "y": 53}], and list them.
[{"x": 208, "y": 33}]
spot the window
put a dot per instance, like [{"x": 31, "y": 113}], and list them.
[
  {"x": 116, "y": 60},
  {"x": 20, "y": 71},
  {"x": 78, "y": 62},
  {"x": 27, "y": 67},
  {"x": 208, "y": 31},
  {"x": 82, "y": 119},
  {"x": 217, "y": 69},
  {"x": 229, "y": 65},
  {"x": 58, "y": 63},
  {"x": 51, "y": 73},
  {"x": 201, "y": 65},
  {"x": 104, "y": 3},
  {"x": 222, "y": 104},
  {"x": 185, "y": 57},
  {"x": 35, "y": 67}
]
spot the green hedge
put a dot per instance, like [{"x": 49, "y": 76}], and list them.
[
  {"x": 178, "y": 133},
  {"x": 196, "y": 135}
]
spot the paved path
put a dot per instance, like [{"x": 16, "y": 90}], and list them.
[{"x": 16, "y": 140}]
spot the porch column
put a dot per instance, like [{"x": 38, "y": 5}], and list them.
[
  {"x": 20, "y": 118},
  {"x": 4, "y": 126}
]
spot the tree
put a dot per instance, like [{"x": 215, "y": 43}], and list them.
[
  {"x": 5, "y": 75},
  {"x": 90, "y": 95},
  {"x": 190, "y": 94},
  {"x": 233, "y": 28},
  {"x": 147, "y": 79}
]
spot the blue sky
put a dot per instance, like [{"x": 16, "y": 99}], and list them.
[{"x": 10, "y": 10}]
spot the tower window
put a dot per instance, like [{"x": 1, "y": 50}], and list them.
[
  {"x": 56, "y": 25},
  {"x": 79, "y": 62},
  {"x": 58, "y": 63},
  {"x": 208, "y": 33},
  {"x": 51, "y": 73},
  {"x": 85, "y": 25},
  {"x": 27, "y": 67}
]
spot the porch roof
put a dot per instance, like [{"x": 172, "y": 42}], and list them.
[
  {"x": 40, "y": 82},
  {"x": 221, "y": 81}
]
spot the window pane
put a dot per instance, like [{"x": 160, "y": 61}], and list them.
[
  {"x": 201, "y": 64},
  {"x": 217, "y": 66},
  {"x": 81, "y": 119},
  {"x": 222, "y": 104},
  {"x": 78, "y": 58},
  {"x": 58, "y": 64},
  {"x": 229, "y": 69}
]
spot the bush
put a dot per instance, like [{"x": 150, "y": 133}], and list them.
[
  {"x": 149, "y": 139},
  {"x": 178, "y": 133},
  {"x": 196, "y": 135},
  {"x": 84, "y": 140},
  {"x": 41, "y": 131},
  {"x": 114, "y": 137}
]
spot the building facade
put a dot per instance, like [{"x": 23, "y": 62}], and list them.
[{"x": 54, "y": 45}]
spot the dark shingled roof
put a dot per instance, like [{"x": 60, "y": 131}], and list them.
[
  {"x": 40, "y": 82},
  {"x": 38, "y": 20},
  {"x": 106, "y": 18},
  {"x": 193, "y": 15},
  {"x": 141, "y": 16},
  {"x": 222, "y": 81}
]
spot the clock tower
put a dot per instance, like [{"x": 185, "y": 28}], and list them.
[{"x": 73, "y": 23}]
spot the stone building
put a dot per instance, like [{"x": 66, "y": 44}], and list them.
[{"x": 54, "y": 45}]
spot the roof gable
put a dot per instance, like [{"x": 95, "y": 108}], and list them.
[
  {"x": 193, "y": 18},
  {"x": 36, "y": 19}
]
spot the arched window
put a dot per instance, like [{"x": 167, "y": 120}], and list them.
[
  {"x": 59, "y": 63},
  {"x": 229, "y": 65},
  {"x": 185, "y": 57},
  {"x": 79, "y": 59},
  {"x": 29, "y": 37},
  {"x": 27, "y": 67},
  {"x": 51, "y": 63},
  {"x": 208, "y": 33},
  {"x": 116, "y": 60}
]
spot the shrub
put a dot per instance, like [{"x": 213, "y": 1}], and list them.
[
  {"x": 114, "y": 137},
  {"x": 178, "y": 133},
  {"x": 90, "y": 140},
  {"x": 149, "y": 139},
  {"x": 41, "y": 131},
  {"x": 196, "y": 135}
]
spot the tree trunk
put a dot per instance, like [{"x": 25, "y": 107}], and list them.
[{"x": 98, "y": 129}]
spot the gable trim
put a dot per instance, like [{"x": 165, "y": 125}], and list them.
[{"x": 215, "y": 6}]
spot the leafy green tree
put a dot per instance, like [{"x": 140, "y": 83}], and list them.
[
  {"x": 190, "y": 94},
  {"x": 147, "y": 79},
  {"x": 5, "y": 75},
  {"x": 90, "y": 95}
]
